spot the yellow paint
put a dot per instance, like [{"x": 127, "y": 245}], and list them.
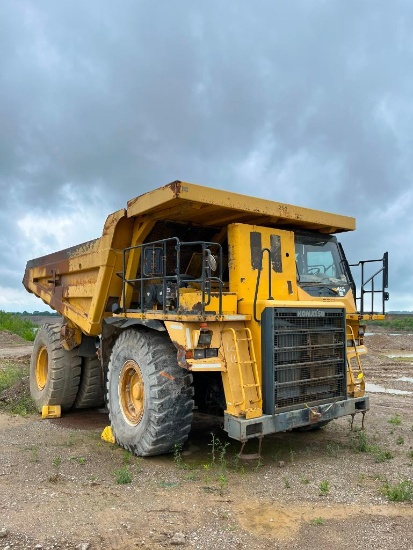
[
  {"x": 42, "y": 368},
  {"x": 84, "y": 282},
  {"x": 198, "y": 204},
  {"x": 190, "y": 300},
  {"x": 242, "y": 275},
  {"x": 107, "y": 435},
  {"x": 51, "y": 411}
]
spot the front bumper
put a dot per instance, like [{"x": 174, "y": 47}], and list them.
[{"x": 241, "y": 429}]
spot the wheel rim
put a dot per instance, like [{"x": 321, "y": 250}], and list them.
[
  {"x": 42, "y": 367},
  {"x": 131, "y": 392}
]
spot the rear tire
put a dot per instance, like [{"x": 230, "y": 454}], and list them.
[
  {"x": 54, "y": 372},
  {"x": 91, "y": 387},
  {"x": 149, "y": 397}
]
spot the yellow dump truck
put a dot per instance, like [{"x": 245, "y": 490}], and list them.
[{"x": 199, "y": 299}]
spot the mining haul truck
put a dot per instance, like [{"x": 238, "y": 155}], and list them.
[{"x": 197, "y": 299}]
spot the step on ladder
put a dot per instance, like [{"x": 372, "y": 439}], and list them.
[
  {"x": 356, "y": 380},
  {"x": 253, "y": 407}
]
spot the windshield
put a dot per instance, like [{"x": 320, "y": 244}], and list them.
[{"x": 318, "y": 260}]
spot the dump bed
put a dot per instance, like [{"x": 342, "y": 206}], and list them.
[
  {"x": 82, "y": 282},
  {"x": 190, "y": 203}
]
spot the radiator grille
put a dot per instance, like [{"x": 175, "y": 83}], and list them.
[{"x": 307, "y": 362}]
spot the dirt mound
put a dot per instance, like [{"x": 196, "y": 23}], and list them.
[{"x": 10, "y": 340}]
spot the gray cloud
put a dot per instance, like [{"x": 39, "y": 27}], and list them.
[{"x": 306, "y": 102}]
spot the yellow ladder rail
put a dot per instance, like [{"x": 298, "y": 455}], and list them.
[
  {"x": 235, "y": 334},
  {"x": 355, "y": 382}
]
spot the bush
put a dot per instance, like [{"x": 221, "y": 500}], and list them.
[
  {"x": 400, "y": 492},
  {"x": 404, "y": 323},
  {"x": 14, "y": 323}
]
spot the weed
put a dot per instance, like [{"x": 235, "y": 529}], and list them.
[
  {"x": 305, "y": 481},
  {"x": 192, "y": 476},
  {"x": 381, "y": 455},
  {"x": 400, "y": 492},
  {"x": 276, "y": 457},
  {"x": 400, "y": 440},
  {"x": 396, "y": 420},
  {"x": 79, "y": 459},
  {"x": 10, "y": 374},
  {"x": 410, "y": 455},
  {"x": 287, "y": 483},
  {"x": 178, "y": 455},
  {"x": 57, "y": 461},
  {"x": 379, "y": 477},
  {"x": 316, "y": 521},
  {"x": 71, "y": 441},
  {"x": 223, "y": 482},
  {"x": 324, "y": 488},
  {"x": 126, "y": 457},
  {"x": 405, "y": 323},
  {"x": 359, "y": 442},
  {"x": 22, "y": 406},
  {"x": 123, "y": 476},
  {"x": 292, "y": 455},
  {"x": 35, "y": 454},
  {"x": 218, "y": 451},
  {"x": 333, "y": 449}
]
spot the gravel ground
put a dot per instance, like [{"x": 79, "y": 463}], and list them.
[{"x": 59, "y": 484}]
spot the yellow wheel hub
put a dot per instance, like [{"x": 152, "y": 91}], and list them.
[
  {"x": 131, "y": 392},
  {"x": 42, "y": 367}
]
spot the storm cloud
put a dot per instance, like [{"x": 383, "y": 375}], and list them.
[{"x": 306, "y": 102}]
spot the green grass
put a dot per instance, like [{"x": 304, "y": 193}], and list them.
[
  {"x": 359, "y": 441},
  {"x": 10, "y": 374},
  {"x": 396, "y": 420},
  {"x": 399, "y": 492},
  {"x": 14, "y": 323},
  {"x": 361, "y": 444},
  {"x": 381, "y": 455},
  {"x": 404, "y": 323},
  {"x": 23, "y": 406},
  {"x": 316, "y": 521},
  {"x": 123, "y": 476},
  {"x": 14, "y": 375},
  {"x": 324, "y": 488}
]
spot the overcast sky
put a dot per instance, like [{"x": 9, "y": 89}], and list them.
[{"x": 306, "y": 102}]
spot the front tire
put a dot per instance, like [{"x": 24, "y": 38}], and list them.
[
  {"x": 149, "y": 397},
  {"x": 54, "y": 371}
]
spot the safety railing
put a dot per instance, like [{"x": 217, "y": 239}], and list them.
[
  {"x": 372, "y": 285},
  {"x": 166, "y": 266}
]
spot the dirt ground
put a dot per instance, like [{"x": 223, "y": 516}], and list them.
[{"x": 59, "y": 482}]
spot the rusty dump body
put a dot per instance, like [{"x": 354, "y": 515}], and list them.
[{"x": 256, "y": 296}]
